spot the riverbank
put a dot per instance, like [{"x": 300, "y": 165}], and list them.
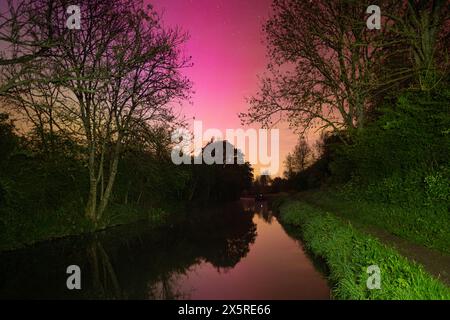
[
  {"x": 348, "y": 253},
  {"x": 425, "y": 225},
  {"x": 417, "y": 232},
  {"x": 18, "y": 231}
]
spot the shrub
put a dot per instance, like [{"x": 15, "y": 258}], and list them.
[
  {"x": 438, "y": 186},
  {"x": 402, "y": 157}
]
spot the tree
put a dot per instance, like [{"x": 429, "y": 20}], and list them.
[
  {"x": 27, "y": 36},
  {"x": 120, "y": 70},
  {"x": 289, "y": 165},
  {"x": 8, "y": 139},
  {"x": 415, "y": 47},
  {"x": 328, "y": 68},
  {"x": 302, "y": 154},
  {"x": 299, "y": 159},
  {"x": 36, "y": 103},
  {"x": 146, "y": 174},
  {"x": 220, "y": 181},
  {"x": 326, "y": 49},
  {"x": 423, "y": 23}
]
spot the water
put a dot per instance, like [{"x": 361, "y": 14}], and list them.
[{"x": 237, "y": 251}]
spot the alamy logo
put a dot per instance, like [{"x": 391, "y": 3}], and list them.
[
  {"x": 374, "y": 279},
  {"x": 188, "y": 148},
  {"x": 74, "y": 20},
  {"x": 374, "y": 21},
  {"x": 74, "y": 280}
]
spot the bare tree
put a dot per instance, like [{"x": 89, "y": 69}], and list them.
[
  {"x": 289, "y": 165},
  {"x": 35, "y": 102},
  {"x": 327, "y": 66},
  {"x": 299, "y": 159},
  {"x": 26, "y": 36},
  {"x": 149, "y": 80},
  {"x": 121, "y": 70},
  {"x": 321, "y": 73}
]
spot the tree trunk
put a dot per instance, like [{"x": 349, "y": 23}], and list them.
[
  {"x": 112, "y": 176},
  {"x": 91, "y": 206}
]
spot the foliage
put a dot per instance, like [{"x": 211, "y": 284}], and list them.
[
  {"x": 437, "y": 186},
  {"x": 401, "y": 158},
  {"x": 8, "y": 140},
  {"x": 104, "y": 82},
  {"x": 279, "y": 200},
  {"x": 328, "y": 70},
  {"x": 348, "y": 253},
  {"x": 220, "y": 182},
  {"x": 299, "y": 159},
  {"x": 42, "y": 194}
]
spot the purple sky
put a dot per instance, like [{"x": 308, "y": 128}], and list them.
[{"x": 227, "y": 49}]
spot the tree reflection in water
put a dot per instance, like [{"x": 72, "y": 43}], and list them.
[
  {"x": 104, "y": 280},
  {"x": 261, "y": 208},
  {"x": 130, "y": 262}
]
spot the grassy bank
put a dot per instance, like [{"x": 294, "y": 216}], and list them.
[
  {"x": 424, "y": 225},
  {"x": 18, "y": 230},
  {"x": 349, "y": 252}
]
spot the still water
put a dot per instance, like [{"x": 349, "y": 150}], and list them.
[{"x": 237, "y": 251}]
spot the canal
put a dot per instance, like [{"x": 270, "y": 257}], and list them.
[{"x": 236, "y": 251}]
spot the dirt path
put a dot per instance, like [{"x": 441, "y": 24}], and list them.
[{"x": 435, "y": 262}]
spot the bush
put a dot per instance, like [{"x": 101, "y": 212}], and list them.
[
  {"x": 279, "y": 200},
  {"x": 403, "y": 156},
  {"x": 438, "y": 186}
]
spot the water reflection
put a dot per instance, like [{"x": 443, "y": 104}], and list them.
[
  {"x": 261, "y": 208},
  {"x": 214, "y": 255},
  {"x": 104, "y": 279}
]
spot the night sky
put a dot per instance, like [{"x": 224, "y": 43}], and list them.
[{"x": 228, "y": 51}]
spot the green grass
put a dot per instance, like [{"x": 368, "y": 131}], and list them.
[
  {"x": 348, "y": 253},
  {"x": 425, "y": 225},
  {"x": 278, "y": 200}
]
